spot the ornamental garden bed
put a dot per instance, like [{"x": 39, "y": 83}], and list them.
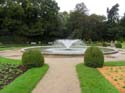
[
  {"x": 116, "y": 76},
  {"x": 8, "y": 72}
]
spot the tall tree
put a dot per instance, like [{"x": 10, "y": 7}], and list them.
[
  {"x": 122, "y": 21},
  {"x": 81, "y": 7},
  {"x": 96, "y": 26},
  {"x": 112, "y": 14},
  {"x": 36, "y": 20},
  {"x": 122, "y": 25}
]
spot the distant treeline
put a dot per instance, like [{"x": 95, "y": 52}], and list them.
[{"x": 23, "y": 21}]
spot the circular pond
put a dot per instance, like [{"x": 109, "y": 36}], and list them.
[
  {"x": 48, "y": 50},
  {"x": 69, "y": 47}
]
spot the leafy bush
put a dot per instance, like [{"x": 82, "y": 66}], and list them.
[
  {"x": 94, "y": 57},
  {"x": 32, "y": 58},
  {"x": 118, "y": 45}
]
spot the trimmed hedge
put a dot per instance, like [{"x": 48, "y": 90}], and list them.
[
  {"x": 32, "y": 58},
  {"x": 93, "y": 57}
]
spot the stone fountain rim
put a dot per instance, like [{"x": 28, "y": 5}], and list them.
[{"x": 116, "y": 50}]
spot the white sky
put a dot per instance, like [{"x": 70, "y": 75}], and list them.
[{"x": 94, "y": 6}]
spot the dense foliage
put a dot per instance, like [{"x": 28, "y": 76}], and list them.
[
  {"x": 28, "y": 20},
  {"x": 25, "y": 21},
  {"x": 32, "y": 58},
  {"x": 118, "y": 45},
  {"x": 96, "y": 27},
  {"x": 93, "y": 57}
]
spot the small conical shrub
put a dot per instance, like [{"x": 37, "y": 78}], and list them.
[
  {"x": 93, "y": 57},
  {"x": 32, "y": 58}
]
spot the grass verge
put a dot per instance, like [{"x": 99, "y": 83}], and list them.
[
  {"x": 10, "y": 61},
  {"x": 27, "y": 81},
  {"x": 92, "y": 81},
  {"x": 11, "y": 46},
  {"x": 120, "y": 63},
  {"x": 16, "y": 46},
  {"x": 123, "y": 45}
]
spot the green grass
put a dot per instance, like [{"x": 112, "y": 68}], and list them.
[
  {"x": 123, "y": 45},
  {"x": 11, "y": 46},
  {"x": 10, "y": 61},
  {"x": 26, "y": 82},
  {"x": 16, "y": 46},
  {"x": 92, "y": 81},
  {"x": 120, "y": 63},
  {"x": 7, "y": 48},
  {"x": 100, "y": 44}
]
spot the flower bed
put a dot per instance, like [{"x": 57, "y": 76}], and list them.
[
  {"x": 116, "y": 75},
  {"x": 8, "y": 72}
]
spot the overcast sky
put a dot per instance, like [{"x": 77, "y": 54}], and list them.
[{"x": 94, "y": 6}]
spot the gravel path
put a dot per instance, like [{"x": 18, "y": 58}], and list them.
[
  {"x": 61, "y": 76},
  {"x": 14, "y": 54}
]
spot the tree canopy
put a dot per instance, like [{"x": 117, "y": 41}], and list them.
[
  {"x": 23, "y": 21},
  {"x": 28, "y": 19}
]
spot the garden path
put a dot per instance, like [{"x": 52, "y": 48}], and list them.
[{"x": 61, "y": 77}]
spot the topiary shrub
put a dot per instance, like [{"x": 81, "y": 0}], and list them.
[
  {"x": 32, "y": 58},
  {"x": 94, "y": 57},
  {"x": 118, "y": 45}
]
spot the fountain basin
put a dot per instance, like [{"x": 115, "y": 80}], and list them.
[
  {"x": 49, "y": 50},
  {"x": 68, "y": 47}
]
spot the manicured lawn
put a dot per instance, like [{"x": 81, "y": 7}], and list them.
[
  {"x": 5, "y": 48},
  {"x": 26, "y": 82},
  {"x": 10, "y": 61},
  {"x": 120, "y": 63},
  {"x": 10, "y": 47},
  {"x": 92, "y": 81},
  {"x": 16, "y": 46}
]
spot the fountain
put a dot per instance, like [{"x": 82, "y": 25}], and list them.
[
  {"x": 68, "y": 43},
  {"x": 69, "y": 47}
]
